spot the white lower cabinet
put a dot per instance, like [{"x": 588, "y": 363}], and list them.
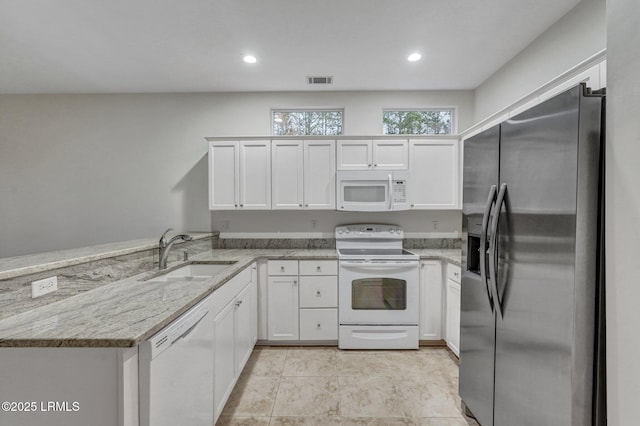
[
  {"x": 453, "y": 308},
  {"x": 431, "y": 300},
  {"x": 319, "y": 324},
  {"x": 282, "y": 307},
  {"x": 224, "y": 369},
  {"x": 305, "y": 306},
  {"x": 235, "y": 333}
]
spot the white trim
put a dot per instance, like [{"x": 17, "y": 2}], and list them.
[{"x": 571, "y": 72}]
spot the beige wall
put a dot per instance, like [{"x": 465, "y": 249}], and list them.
[
  {"x": 623, "y": 211},
  {"x": 79, "y": 170}
]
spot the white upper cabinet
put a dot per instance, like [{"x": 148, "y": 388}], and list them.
[
  {"x": 354, "y": 155},
  {"x": 224, "y": 163},
  {"x": 303, "y": 174},
  {"x": 390, "y": 155},
  {"x": 320, "y": 174},
  {"x": 434, "y": 174},
  {"x": 373, "y": 155},
  {"x": 287, "y": 174},
  {"x": 240, "y": 175},
  {"x": 255, "y": 175}
]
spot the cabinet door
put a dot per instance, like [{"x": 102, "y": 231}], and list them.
[
  {"x": 256, "y": 300},
  {"x": 354, "y": 155},
  {"x": 431, "y": 300},
  {"x": 255, "y": 175},
  {"x": 245, "y": 317},
  {"x": 434, "y": 170},
  {"x": 318, "y": 324},
  {"x": 391, "y": 155},
  {"x": 283, "y": 308},
  {"x": 453, "y": 316},
  {"x": 223, "y": 175},
  {"x": 287, "y": 174},
  {"x": 224, "y": 363},
  {"x": 320, "y": 175}
]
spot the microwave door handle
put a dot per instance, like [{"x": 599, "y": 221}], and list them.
[{"x": 390, "y": 192}]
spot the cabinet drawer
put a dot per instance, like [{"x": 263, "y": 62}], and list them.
[
  {"x": 318, "y": 324},
  {"x": 318, "y": 267},
  {"x": 282, "y": 267},
  {"x": 453, "y": 272},
  {"x": 319, "y": 292}
]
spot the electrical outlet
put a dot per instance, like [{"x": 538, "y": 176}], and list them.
[
  {"x": 435, "y": 225},
  {"x": 224, "y": 226},
  {"x": 314, "y": 223},
  {"x": 44, "y": 286}
]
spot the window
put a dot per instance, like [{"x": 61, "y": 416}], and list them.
[
  {"x": 418, "y": 122},
  {"x": 307, "y": 122}
]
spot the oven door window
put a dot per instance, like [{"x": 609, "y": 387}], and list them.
[
  {"x": 365, "y": 193},
  {"x": 387, "y": 294}
]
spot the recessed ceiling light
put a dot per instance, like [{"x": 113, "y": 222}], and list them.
[
  {"x": 414, "y": 57},
  {"x": 250, "y": 59}
]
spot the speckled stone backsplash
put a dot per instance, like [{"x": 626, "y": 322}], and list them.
[
  {"x": 323, "y": 243},
  {"x": 15, "y": 293},
  {"x": 275, "y": 243},
  {"x": 434, "y": 243}
]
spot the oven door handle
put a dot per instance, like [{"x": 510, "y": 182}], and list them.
[{"x": 375, "y": 265}]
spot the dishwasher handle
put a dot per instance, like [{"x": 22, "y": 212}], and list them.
[{"x": 188, "y": 324}]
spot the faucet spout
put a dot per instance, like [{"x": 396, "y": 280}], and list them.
[{"x": 165, "y": 246}]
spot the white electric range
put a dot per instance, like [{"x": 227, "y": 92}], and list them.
[{"x": 378, "y": 288}]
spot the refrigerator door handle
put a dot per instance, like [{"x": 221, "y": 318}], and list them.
[
  {"x": 483, "y": 243},
  {"x": 493, "y": 248}
]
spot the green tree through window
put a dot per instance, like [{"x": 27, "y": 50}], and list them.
[
  {"x": 307, "y": 122},
  {"x": 424, "y": 122}
]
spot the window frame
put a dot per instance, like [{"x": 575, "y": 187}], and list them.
[
  {"x": 454, "y": 120},
  {"x": 324, "y": 109}
]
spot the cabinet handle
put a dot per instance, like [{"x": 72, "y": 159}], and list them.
[
  {"x": 241, "y": 205},
  {"x": 282, "y": 269},
  {"x": 375, "y": 165},
  {"x": 300, "y": 205},
  {"x": 236, "y": 205},
  {"x": 306, "y": 205},
  {"x": 295, "y": 282},
  {"x": 413, "y": 205},
  {"x": 318, "y": 293},
  {"x": 318, "y": 325},
  {"x": 369, "y": 165},
  {"x": 317, "y": 269},
  {"x": 238, "y": 303}
]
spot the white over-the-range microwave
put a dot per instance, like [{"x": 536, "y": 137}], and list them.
[{"x": 372, "y": 190}]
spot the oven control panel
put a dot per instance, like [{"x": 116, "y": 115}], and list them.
[{"x": 369, "y": 231}]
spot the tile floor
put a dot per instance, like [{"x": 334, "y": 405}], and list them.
[{"x": 326, "y": 386}]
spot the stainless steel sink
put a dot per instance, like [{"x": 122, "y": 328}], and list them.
[{"x": 192, "y": 272}]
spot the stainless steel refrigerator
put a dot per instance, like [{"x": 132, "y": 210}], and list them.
[{"x": 532, "y": 296}]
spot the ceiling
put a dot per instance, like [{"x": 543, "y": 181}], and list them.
[{"x": 124, "y": 46}]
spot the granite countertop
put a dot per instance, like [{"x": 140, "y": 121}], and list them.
[
  {"x": 129, "y": 311},
  {"x": 11, "y": 267}
]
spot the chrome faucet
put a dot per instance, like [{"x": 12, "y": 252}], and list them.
[{"x": 165, "y": 246}]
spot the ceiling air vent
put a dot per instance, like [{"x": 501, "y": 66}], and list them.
[{"x": 320, "y": 80}]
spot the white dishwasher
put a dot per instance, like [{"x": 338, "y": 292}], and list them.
[{"x": 176, "y": 371}]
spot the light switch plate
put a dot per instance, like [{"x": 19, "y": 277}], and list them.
[{"x": 43, "y": 286}]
